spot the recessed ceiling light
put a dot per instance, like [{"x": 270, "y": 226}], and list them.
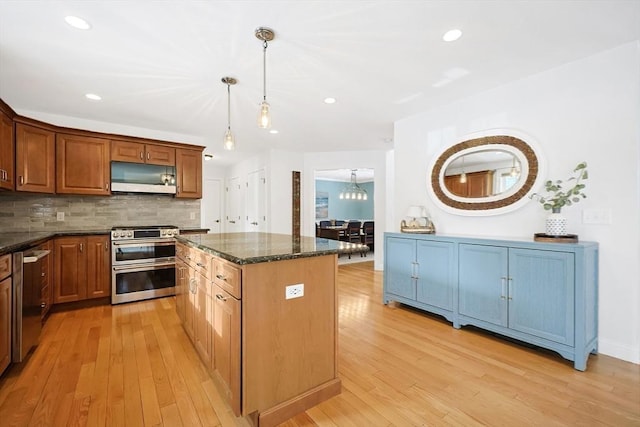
[
  {"x": 329, "y": 100},
  {"x": 76, "y": 22},
  {"x": 452, "y": 35},
  {"x": 208, "y": 157},
  {"x": 273, "y": 131},
  {"x": 93, "y": 97}
]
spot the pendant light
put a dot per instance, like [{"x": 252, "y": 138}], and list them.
[
  {"x": 229, "y": 140},
  {"x": 463, "y": 175},
  {"x": 353, "y": 191},
  {"x": 514, "y": 170},
  {"x": 264, "y": 115}
]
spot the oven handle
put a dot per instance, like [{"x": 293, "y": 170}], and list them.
[
  {"x": 143, "y": 242},
  {"x": 142, "y": 267}
]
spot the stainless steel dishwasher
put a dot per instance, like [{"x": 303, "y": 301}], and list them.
[{"x": 27, "y": 301}]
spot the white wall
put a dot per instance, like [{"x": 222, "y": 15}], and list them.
[
  {"x": 282, "y": 164},
  {"x": 376, "y": 160},
  {"x": 586, "y": 110}
]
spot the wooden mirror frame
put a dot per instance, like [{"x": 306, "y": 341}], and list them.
[{"x": 480, "y": 206}]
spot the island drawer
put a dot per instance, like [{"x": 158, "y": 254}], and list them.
[
  {"x": 201, "y": 262},
  {"x": 228, "y": 276}
]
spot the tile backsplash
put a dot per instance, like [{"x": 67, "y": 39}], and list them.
[{"x": 32, "y": 212}]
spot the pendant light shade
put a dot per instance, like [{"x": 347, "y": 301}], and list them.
[
  {"x": 229, "y": 141},
  {"x": 264, "y": 115},
  {"x": 463, "y": 175}
]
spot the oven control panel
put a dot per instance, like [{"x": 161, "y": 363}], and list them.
[{"x": 143, "y": 233}]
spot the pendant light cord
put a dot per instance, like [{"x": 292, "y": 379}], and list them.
[
  {"x": 228, "y": 106},
  {"x": 264, "y": 71}
]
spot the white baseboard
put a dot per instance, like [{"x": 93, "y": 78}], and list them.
[{"x": 619, "y": 351}]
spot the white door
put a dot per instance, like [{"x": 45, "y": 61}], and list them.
[
  {"x": 233, "y": 216},
  {"x": 256, "y": 219},
  {"x": 212, "y": 205}
]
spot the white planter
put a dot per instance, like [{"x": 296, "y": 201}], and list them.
[{"x": 556, "y": 224}]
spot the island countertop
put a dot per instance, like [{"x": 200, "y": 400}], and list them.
[{"x": 253, "y": 248}]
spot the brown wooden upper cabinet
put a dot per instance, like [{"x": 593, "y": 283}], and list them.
[
  {"x": 135, "y": 152},
  {"x": 478, "y": 184},
  {"x": 83, "y": 165},
  {"x": 35, "y": 159},
  {"x": 189, "y": 173},
  {"x": 6, "y": 153}
]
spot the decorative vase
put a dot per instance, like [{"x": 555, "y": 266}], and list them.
[{"x": 556, "y": 224}]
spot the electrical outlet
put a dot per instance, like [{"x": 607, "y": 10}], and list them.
[
  {"x": 60, "y": 216},
  {"x": 192, "y": 215},
  {"x": 294, "y": 291}
]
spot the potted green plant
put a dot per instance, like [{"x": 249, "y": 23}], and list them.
[{"x": 558, "y": 197}]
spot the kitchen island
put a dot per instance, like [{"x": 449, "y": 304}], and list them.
[{"x": 261, "y": 311}]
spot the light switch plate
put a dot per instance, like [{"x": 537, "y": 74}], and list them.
[
  {"x": 60, "y": 216},
  {"x": 596, "y": 216}
]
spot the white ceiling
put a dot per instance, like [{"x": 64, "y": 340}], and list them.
[{"x": 158, "y": 65}]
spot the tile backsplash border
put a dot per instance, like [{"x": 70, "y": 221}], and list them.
[{"x": 39, "y": 212}]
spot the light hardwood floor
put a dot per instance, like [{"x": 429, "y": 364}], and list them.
[{"x": 133, "y": 365}]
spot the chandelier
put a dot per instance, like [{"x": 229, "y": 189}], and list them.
[{"x": 353, "y": 191}]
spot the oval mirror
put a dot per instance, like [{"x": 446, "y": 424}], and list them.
[{"x": 485, "y": 175}]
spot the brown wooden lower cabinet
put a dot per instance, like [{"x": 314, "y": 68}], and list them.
[
  {"x": 5, "y": 312},
  {"x": 47, "y": 279},
  {"x": 226, "y": 343},
  {"x": 82, "y": 268},
  {"x": 240, "y": 322}
]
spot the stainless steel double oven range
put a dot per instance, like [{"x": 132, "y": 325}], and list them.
[{"x": 142, "y": 262}]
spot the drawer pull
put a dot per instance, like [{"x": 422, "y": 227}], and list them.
[
  {"x": 221, "y": 277},
  {"x": 221, "y": 297},
  {"x": 200, "y": 265}
]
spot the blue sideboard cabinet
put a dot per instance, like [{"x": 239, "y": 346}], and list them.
[{"x": 540, "y": 293}]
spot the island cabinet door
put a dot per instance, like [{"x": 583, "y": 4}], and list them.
[
  {"x": 541, "y": 294},
  {"x": 181, "y": 288},
  {"x": 482, "y": 282},
  {"x": 202, "y": 322},
  {"x": 190, "y": 303},
  {"x": 226, "y": 345},
  {"x": 400, "y": 265}
]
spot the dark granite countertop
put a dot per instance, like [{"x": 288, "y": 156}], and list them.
[
  {"x": 14, "y": 242},
  {"x": 253, "y": 248}
]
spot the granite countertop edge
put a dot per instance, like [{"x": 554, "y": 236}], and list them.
[
  {"x": 254, "y": 259},
  {"x": 15, "y": 242}
]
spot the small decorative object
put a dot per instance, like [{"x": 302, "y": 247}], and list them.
[
  {"x": 420, "y": 222},
  {"x": 556, "y": 224}
]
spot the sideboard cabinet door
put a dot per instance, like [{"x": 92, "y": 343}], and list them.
[
  {"x": 400, "y": 268},
  {"x": 435, "y": 272},
  {"x": 483, "y": 283},
  {"x": 541, "y": 294}
]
